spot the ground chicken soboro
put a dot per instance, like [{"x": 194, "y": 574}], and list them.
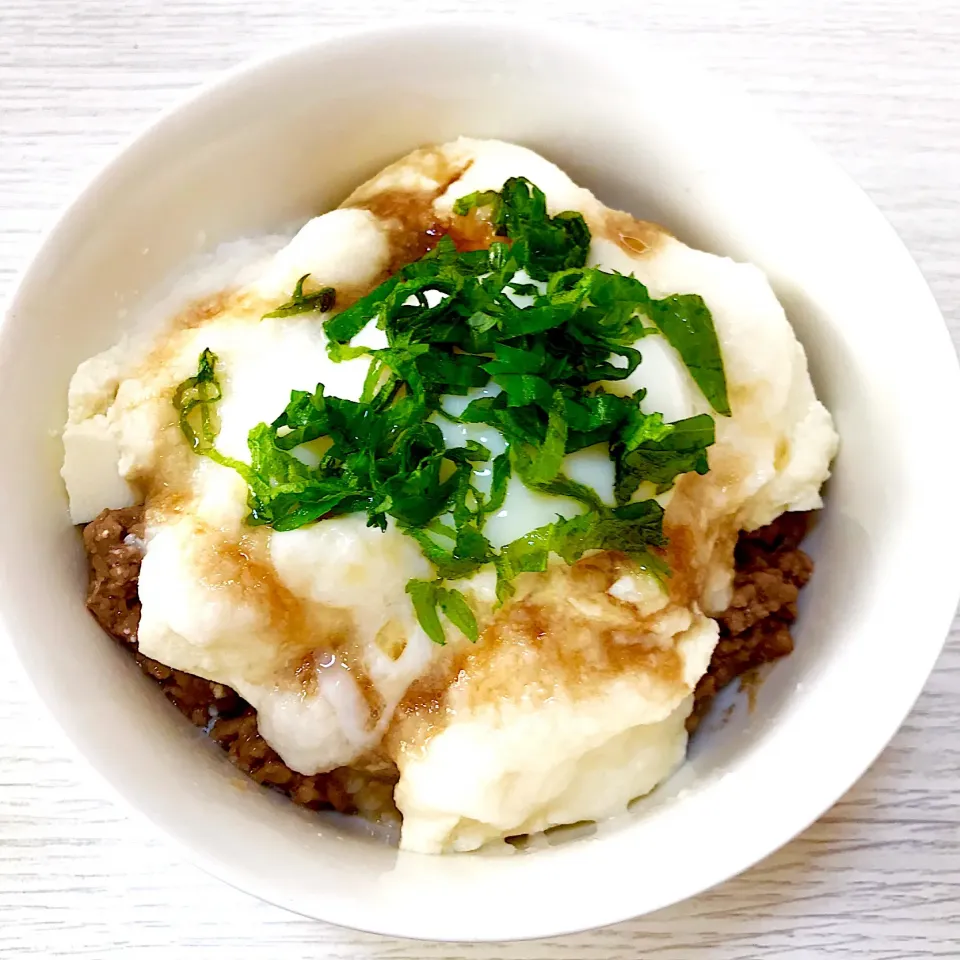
[
  {"x": 755, "y": 629},
  {"x": 113, "y": 542}
]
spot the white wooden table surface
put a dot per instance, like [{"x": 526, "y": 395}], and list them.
[{"x": 877, "y": 84}]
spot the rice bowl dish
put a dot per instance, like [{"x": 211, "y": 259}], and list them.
[
  {"x": 199, "y": 204},
  {"x": 511, "y": 622}
]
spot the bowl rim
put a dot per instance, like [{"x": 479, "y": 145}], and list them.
[{"x": 766, "y": 841}]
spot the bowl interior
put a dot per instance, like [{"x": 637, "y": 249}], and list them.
[{"x": 289, "y": 138}]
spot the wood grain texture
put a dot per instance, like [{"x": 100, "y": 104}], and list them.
[{"x": 877, "y": 84}]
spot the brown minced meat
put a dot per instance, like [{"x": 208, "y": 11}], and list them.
[
  {"x": 755, "y": 629},
  {"x": 113, "y": 542}
]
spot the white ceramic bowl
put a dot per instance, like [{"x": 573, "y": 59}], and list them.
[{"x": 289, "y": 137}]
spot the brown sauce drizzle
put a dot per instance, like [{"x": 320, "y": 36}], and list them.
[
  {"x": 415, "y": 228},
  {"x": 301, "y": 634},
  {"x": 635, "y": 237},
  {"x": 295, "y": 636},
  {"x": 563, "y": 635}
]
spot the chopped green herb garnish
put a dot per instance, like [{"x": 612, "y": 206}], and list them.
[
  {"x": 688, "y": 327},
  {"x": 321, "y": 301},
  {"x": 430, "y": 597},
  {"x": 663, "y": 453},
  {"x": 542, "y": 244},
  {"x": 631, "y": 529},
  {"x": 195, "y": 400},
  {"x": 543, "y": 336}
]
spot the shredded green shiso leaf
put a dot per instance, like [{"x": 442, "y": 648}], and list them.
[
  {"x": 300, "y": 302},
  {"x": 527, "y": 316}
]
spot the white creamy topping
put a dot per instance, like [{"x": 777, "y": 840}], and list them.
[
  {"x": 506, "y": 768},
  {"x": 314, "y": 626},
  {"x": 343, "y": 248}
]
